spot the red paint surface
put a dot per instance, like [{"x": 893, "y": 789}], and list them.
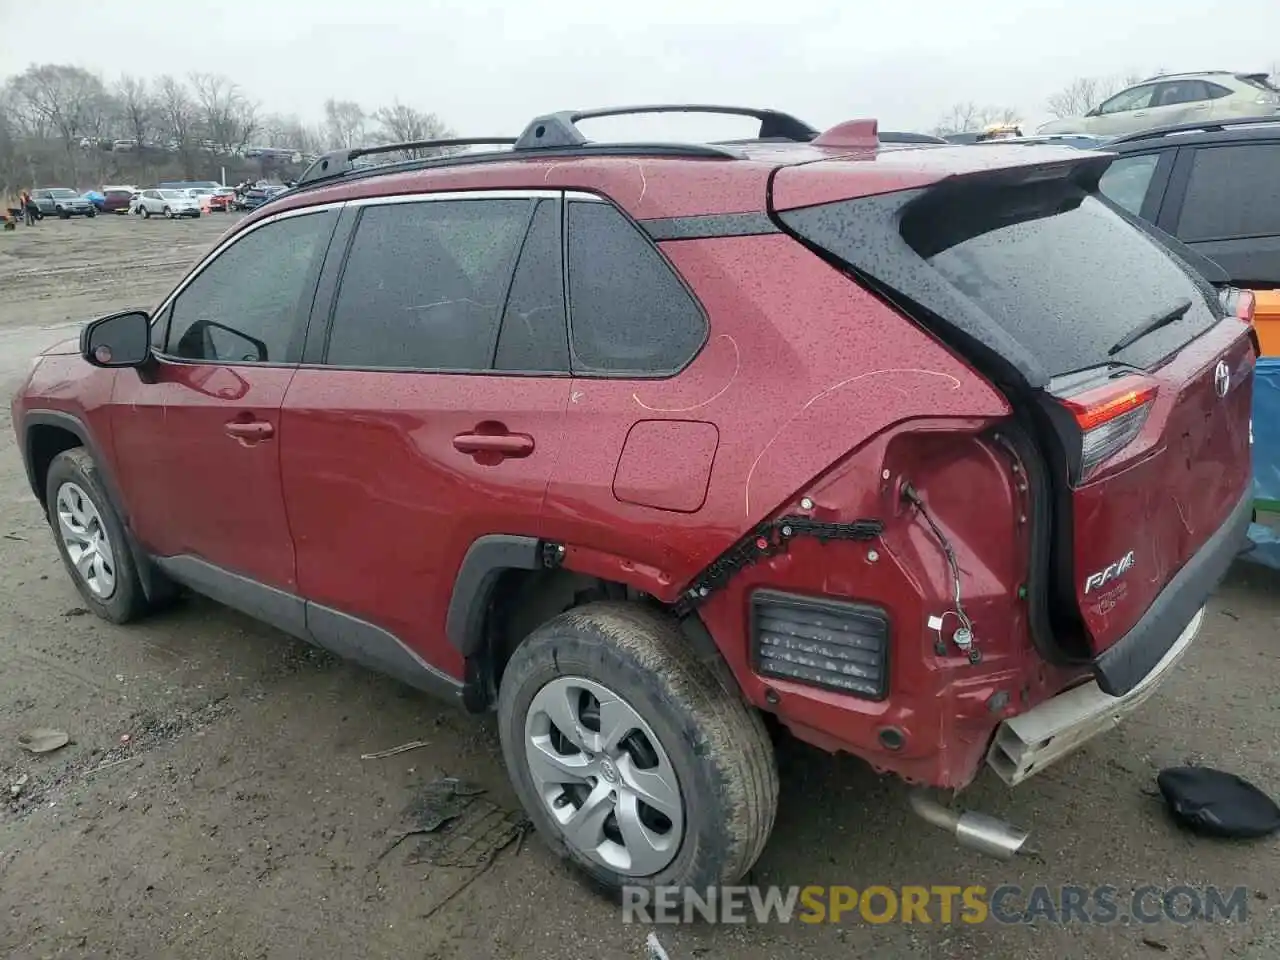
[{"x": 666, "y": 464}]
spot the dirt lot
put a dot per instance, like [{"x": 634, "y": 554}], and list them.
[{"x": 239, "y": 820}]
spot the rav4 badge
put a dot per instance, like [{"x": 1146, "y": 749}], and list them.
[{"x": 1109, "y": 573}]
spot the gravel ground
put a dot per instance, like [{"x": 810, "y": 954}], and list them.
[{"x": 214, "y": 803}]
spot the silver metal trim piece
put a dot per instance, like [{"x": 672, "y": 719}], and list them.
[
  {"x": 1026, "y": 744},
  {"x": 446, "y": 195}
]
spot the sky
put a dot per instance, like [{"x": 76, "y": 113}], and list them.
[{"x": 487, "y": 68}]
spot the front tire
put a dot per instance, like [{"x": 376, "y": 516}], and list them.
[
  {"x": 633, "y": 760},
  {"x": 168, "y": 214},
  {"x": 91, "y": 214},
  {"x": 91, "y": 538}
]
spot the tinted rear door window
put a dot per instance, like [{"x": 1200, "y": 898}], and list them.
[
  {"x": 1233, "y": 192},
  {"x": 1059, "y": 271},
  {"x": 628, "y": 311},
  {"x": 424, "y": 284}
]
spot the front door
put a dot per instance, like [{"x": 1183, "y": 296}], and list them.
[
  {"x": 197, "y": 436},
  {"x": 424, "y": 429}
]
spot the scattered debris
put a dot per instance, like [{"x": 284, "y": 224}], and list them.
[
  {"x": 1155, "y": 944},
  {"x": 1228, "y": 613},
  {"x": 15, "y": 788},
  {"x": 653, "y": 948},
  {"x": 43, "y": 740},
  {"x": 104, "y": 766},
  {"x": 459, "y": 826},
  {"x": 76, "y": 612},
  {"x": 1218, "y": 804},
  {"x": 403, "y": 748},
  {"x": 125, "y": 738},
  {"x": 14, "y": 536}
]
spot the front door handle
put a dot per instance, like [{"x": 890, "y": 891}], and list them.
[
  {"x": 250, "y": 431},
  {"x": 492, "y": 447}
]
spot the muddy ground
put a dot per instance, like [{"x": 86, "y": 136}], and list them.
[{"x": 214, "y": 802}]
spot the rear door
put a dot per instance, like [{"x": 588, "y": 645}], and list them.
[
  {"x": 1224, "y": 202},
  {"x": 1179, "y": 101},
  {"x": 430, "y": 411}
]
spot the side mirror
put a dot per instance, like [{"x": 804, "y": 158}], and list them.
[{"x": 120, "y": 340}]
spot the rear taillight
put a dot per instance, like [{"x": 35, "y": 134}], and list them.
[
  {"x": 1109, "y": 418},
  {"x": 1244, "y": 305}
]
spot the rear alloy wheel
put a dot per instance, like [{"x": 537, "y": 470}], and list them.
[
  {"x": 631, "y": 757},
  {"x": 91, "y": 538},
  {"x": 146, "y": 212}
]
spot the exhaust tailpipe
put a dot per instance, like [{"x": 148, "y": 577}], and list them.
[{"x": 977, "y": 831}]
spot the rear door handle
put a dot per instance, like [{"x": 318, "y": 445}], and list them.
[
  {"x": 499, "y": 446},
  {"x": 250, "y": 430}
]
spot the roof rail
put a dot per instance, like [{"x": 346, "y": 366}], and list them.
[
  {"x": 1215, "y": 126},
  {"x": 561, "y": 129},
  {"x": 1185, "y": 73},
  {"x": 337, "y": 163}
]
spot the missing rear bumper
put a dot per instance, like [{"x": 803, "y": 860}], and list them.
[{"x": 1026, "y": 744}]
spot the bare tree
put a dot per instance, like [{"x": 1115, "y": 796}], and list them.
[
  {"x": 138, "y": 109},
  {"x": 399, "y": 123},
  {"x": 227, "y": 117},
  {"x": 969, "y": 118},
  {"x": 1084, "y": 93},
  {"x": 178, "y": 118},
  {"x": 62, "y": 100},
  {"x": 345, "y": 123}
]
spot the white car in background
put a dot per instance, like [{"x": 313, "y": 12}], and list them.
[
  {"x": 1173, "y": 99},
  {"x": 169, "y": 204}
]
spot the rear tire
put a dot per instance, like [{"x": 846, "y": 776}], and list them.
[
  {"x": 146, "y": 213},
  {"x": 688, "y": 744},
  {"x": 91, "y": 539}
]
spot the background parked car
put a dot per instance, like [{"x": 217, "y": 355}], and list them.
[
  {"x": 96, "y": 198},
  {"x": 117, "y": 199},
  {"x": 255, "y": 197},
  {"x": 1216, "y": 187},
  {"x": 62, "y": 202},
  {"x": 1176, "y": 98},
  {"x": 166, "y": 203},
  {"x": 222, "y": 199}
]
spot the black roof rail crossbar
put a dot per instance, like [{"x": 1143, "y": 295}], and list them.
[
  {"x": 337, "y": 163},
  {"x": 561, "y": 129},
  {"x": 1209, "y": 126}
]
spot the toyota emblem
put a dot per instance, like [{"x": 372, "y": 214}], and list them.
[{"x": 1222, "y": 378}]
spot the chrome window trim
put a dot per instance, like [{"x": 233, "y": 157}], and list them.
[{"x": 478, "y": 194}]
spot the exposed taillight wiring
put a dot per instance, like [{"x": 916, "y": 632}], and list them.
[{"x": 963, "y": 638}]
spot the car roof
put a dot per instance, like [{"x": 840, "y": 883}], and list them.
[
  {"x": 1190, "y": 134},
  {"x": 653, "y": 180}
]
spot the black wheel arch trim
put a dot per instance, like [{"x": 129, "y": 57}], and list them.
[
  {"x": 485, "y": 561},
  {"x": 79, "y": 429}
]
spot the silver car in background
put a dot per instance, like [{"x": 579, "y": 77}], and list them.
[
  {"x": 169, "y": 204},
  {"x": 1176, "y": 98}
]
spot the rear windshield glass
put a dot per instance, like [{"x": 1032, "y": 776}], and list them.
[{"x": 1060, "y": 272}]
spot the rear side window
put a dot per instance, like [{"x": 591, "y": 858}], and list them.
[
  {"x": 1067, "y": 277},
  {"x": 1127, "y": 180},
  {"x": 629, "y": 313},
  {"x": 1180, "y": 91},
  {"x": 424, "y": 284},
  {"x": 1233, "y": 192}
]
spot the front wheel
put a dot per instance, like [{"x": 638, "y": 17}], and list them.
[
  {"x": 168, "y": 214},
  {"x": 91, "y": 538},
  {"x": 91, "y": 214},
  {"x": 633, "y": 760}
]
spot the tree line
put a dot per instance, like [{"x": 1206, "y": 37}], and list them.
[{"x": 64, "y": 125}]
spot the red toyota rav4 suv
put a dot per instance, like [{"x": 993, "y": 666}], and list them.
[{"x": 929, "y": 452}]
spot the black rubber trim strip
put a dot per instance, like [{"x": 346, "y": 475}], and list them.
[
  {"x": 1122, "y": 666},
  {"x": 710, "y": 225},
  {"x": 486, "y": 559}
]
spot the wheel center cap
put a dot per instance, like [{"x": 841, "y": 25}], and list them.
[{"x": 608, "y": 770}]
